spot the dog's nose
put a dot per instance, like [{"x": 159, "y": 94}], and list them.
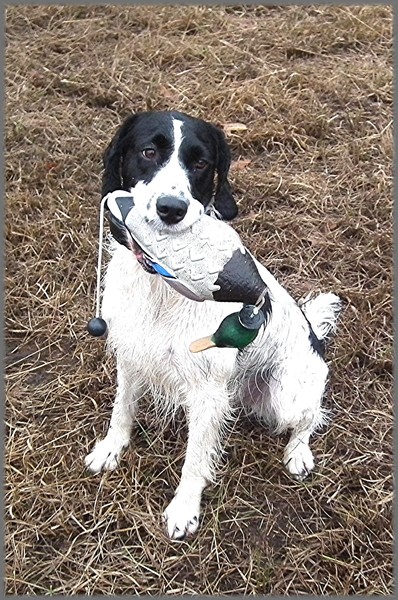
[{"x": 170, "y": 209}]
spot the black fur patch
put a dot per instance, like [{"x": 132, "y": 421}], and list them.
[{"x": 318, "y": 345}]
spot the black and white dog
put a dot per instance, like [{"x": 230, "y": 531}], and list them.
[{"x": 169, "y": 161}]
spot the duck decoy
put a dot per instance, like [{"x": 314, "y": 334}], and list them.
[{"x": 205, "y": 261}]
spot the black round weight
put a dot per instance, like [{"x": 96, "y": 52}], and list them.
[{"x": 96, "y": 326}]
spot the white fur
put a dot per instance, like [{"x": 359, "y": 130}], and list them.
[
  {"x": 323, "y": 311},
  {"x": 278, "y": 377}
]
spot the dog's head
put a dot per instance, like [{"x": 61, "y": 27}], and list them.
[{"x": 168, "y": 161}]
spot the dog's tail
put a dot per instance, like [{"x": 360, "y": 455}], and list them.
[{"x": 322, "y": 312}]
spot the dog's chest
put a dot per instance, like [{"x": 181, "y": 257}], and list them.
[{"x": 151, "y": 326}]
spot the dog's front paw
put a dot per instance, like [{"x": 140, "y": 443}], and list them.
[
  {"x": 182, "y": 517},
  {"x": 105, "y": 456},
  {"x": 298, "y": 460}
]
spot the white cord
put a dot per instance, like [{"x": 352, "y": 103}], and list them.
[
  {"x": 100, "y": 241},
  {"x": 261, "y": 299}
]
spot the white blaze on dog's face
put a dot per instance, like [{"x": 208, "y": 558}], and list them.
[
  {"x": 168, "y": 161},
  {"x": 166, "y": 200}
]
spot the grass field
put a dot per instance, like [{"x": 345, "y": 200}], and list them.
[{"x": 312, "y": 174}]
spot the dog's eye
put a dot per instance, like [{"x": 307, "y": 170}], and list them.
[
  {"x": 200, "y": 164},
  {"x": 149, "y": 153}
]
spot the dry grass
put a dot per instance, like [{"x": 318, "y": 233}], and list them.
[{"x": 313, "y": 86}]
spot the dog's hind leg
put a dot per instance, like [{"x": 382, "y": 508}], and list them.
[
  {"x": 297, "y": 456},
  {"x": 306, "y": 416},
  {"x": 208, "y": 412},
  {"x": 293, "y": 403},
  {"x": 106, "y": 453}
]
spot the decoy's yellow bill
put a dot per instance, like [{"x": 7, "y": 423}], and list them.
[{"x": 202, "y": 344}]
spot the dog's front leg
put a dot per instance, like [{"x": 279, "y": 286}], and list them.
[
  {"x": 208, "y": 411},
  {"x": 106, "y": 453}
]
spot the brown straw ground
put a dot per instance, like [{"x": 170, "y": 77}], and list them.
[{"x": 312, "y": 174}]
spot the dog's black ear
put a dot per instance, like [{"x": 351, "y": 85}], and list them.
[
  {"x": 113, "y": 158},
  {"x": 224, "y": 201}
]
